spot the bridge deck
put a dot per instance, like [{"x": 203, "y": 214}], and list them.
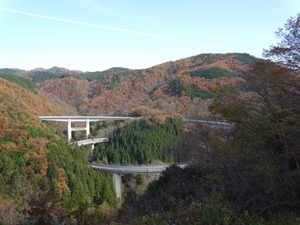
[
  {"x": 132, "y": 169},
  {"x": 84, "y": 118},
  {"x": 208, "y": 122},
  {"x": 92, "y": 141}
]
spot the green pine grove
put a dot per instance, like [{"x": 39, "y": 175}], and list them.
[{"x": 143, "y": 142}]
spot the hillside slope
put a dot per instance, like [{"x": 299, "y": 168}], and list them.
[
  {"x": 170, "y": 88},
  {"x": 43, "y": 180}
]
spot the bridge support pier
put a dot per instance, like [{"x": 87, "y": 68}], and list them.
[
  {"x": 69, "y": 130},
  {"x": 118, "y": 184},
  {"x": 86, "y": 128}
]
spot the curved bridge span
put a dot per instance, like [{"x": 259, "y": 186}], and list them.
[
  {"x": 132, "y": 169},
  {"x": 118, "y": 170}
]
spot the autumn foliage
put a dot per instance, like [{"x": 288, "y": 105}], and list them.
[
  {"x": 123, "y": 91},
  {"x": 43, "y": 180}
]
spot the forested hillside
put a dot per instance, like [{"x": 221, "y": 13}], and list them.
[
  {"x": 144, "y": 142},
  {"x": 171, "y": 88},
  {"x": 249, "y": 174},
  {"x": 25, "y": 83},
  {"x": 43, "y": 180},
  {"x": 39, "y": 170}
]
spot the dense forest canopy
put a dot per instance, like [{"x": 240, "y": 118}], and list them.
[{"x": 143, "y": 142}]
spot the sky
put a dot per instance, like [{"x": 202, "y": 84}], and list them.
[{"x": 95, "y": 35}]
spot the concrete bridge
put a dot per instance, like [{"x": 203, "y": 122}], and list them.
[
  {"x": 132, "y": 169},
  {"x": 118, "y": 170},
  {"x": 86, "y": 119}
]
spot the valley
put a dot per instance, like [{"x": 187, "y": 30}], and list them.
[{"x": 245, "y": 173}]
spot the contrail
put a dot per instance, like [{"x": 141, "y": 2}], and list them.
[{"x": 105, "y": 27}]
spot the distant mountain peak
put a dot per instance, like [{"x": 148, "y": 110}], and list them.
[
  {"x": 38, "y": 69},
  {"x": 58, "y": 70}
]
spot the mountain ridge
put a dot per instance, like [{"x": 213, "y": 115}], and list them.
[
  {"x": 58, "y": 69},
  {"x": 173, "y": 87}
]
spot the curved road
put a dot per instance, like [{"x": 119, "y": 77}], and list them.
[
  {"x": 218, "y": 124},
  {"x": 130, "y": 169}
]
